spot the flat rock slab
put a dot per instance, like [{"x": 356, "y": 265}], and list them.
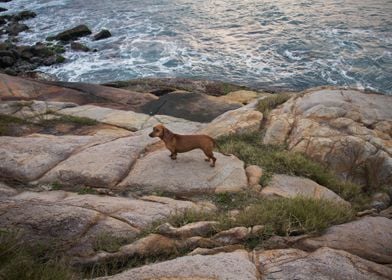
[
  {"x": 27, "y": 158},
  {"x": 186, "y": 175},
  {"x": 101, "y": 165},
  {"x": 15, "y": 88},
  {"x": 195, "y": 107},
  {"x": 325, "y": 263},
  {"x": 369, "y": 238},
  {"x": 291, "y": 186},
  {"x": 128, "y": 119},
  {"x": 223, "y": 266},
  {"x": 78, "y": 220}
]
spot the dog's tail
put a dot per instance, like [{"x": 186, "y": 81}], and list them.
[{"x": 220, "y": 149}]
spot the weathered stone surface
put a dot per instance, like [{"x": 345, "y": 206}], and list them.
[
  {"x": 228, "y": 266},
  {"x": 290, "y": 186},
  {"x": 254, "y": 173},
  {"x": 216, "y": 250},
  {"x": 32, "y": 108},
  {"x": 15, "y": 88},
  {"x": 203, "y": 228},
  {"x": 232, "y": 236},
  {"x": 6, "y": 190},
  {"x": 191, "y": 106},
  {"x": 76, "y": 46},
  {"x": 387, "y": 213},
  {"x": 77, "y": 220},
  {"x": 325, "y": 263},
  {"x": 369, "y": 238},
  {"x": 242, "y": 120},
  {"x": 99, "y": 166},
  {"x": 188, "y": 174},
  {"x": 103, "y": 34},
  {"x": 243, "y": 96},
  {"x": 73, "y": 33},
  {"x": 346, "y": 129},
  {"x": 27, "y": 158},
  {"x": 380, "y": 201}
]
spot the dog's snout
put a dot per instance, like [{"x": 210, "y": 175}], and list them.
[{"x": 151, "y": 134}]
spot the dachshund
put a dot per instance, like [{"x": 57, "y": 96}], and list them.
[{"x": 177, "y": 143}]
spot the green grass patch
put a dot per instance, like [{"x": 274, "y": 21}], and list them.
[
  {"x": 265, "y": 105},
  {"x": 110, "y": 243},
  {"x": 82, "y": 121},
  {"x": 7, "y": 122},
  {"x": 275, "y": 159},
  {"x": 19, "y": 260}
]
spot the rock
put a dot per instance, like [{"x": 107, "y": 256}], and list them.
[
  {"x": 203, "y": 228},
  {"x": 6, "y": 191},
  {"x": 32, "y": 109},
  {"x": 380, "y": 201},
  {"x": 324, "y": 263},
  {"x": 228, "y": 266},
  {"x": 103, "y": 34},
  {"x": 6, "y": 61},
  {"x": 232, "y": 236},
  {"x": 242, "y": 96},
  {"x": 290, "y": 186},
  {"x": 216, "y": 250},
  {"x": 76, "y": 221},
  {"x": 387, "y": 213},
  {"x": 79, "y": 93},
  {"x": 254, "y": 173},
  {"x": 347, "y": 130},
  {"x": 102, "y": 165},
  {"x": 72, "y": 34},
  {"x": 24, "y": 15},
  {"x": 242, "y": 120},
  {"x": 4, "y": 1},
  {"x": 15, "y": 28},
  {"x": 79, "y": 47},
  {"x": 188, "y": 174},
  {"x": 357, "y": 238},
  {"x": 190, "y": 106},
  {"x": 3, "y": 9},
  {"x": 27, "y": 158},
  {"x": 167, "y": 85}
]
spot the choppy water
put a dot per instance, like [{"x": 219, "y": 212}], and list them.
[{"x": 264, "y": 44}]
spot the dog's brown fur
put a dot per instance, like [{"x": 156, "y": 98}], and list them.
[{"x": 177, "y": 143}]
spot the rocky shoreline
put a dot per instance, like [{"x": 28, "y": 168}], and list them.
[
  {"x": 22, "y": 60},
  {"x": 78, "y": 170}
]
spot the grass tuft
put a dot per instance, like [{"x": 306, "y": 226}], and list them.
[
  {"x": 275, "y": 159},
  {"x": 8, "y": 122},
  {"x": 21, "y": 261},
  {"x": 265, "y": 105}
]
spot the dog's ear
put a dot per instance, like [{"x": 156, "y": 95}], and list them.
[{"x": 167, "y": 134}]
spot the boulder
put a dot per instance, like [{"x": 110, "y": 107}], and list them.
[
  {"x": 23, "y": 15},
  {"x": 232, "y": 236},
  {"x": 79, "y": 47},
  {"x": 228, "y": 266},
  {"x": 6, "y": 190},
  {"x": 380, "y": 201},
  {"x": 254, "y": 173},
  {"x": 348, "y": 130},
  {"x": 203, "y": 228},
  {"x": 370, "y": 238},
  {"x": 191, "y": 106},
  {"x": 242, "y": 120},
  {"x": 242, "y": 96},
  {"x": 291, "y": 186},
  {"x": 188, "y": 174},
  {"x": 3, "y": 9},
  {"x": 72, "y": 34},
  {"x": 28, "y": 158},
  {"x": 103, "y": 34},
  {"x": 15, "y": 28},
  {"x": 101, "y": 165},
  {"x": 324, "y": 263},
  {"x": 76, "y": 221}
]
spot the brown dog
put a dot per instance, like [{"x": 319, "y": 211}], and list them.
[{"x": 177, "y": 143}]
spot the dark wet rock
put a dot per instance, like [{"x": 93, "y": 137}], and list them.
[
  {"x": 6, "y": 61},
  {"x": 79, "y": 47},
  {"x": 15, "y": 28},
  {"x": 3, "y": 9},
  {"x": 151, "y": 85},
  {"x": 4, "y": 1},
  {"x": 103, "y": 34},
  {"x": 24, "y": 15},
  {"x": 72, "y": 34},
  {"x": 191, "y": 106}
]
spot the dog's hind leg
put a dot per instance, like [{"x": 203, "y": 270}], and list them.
[{"x": 210, "y": 156}]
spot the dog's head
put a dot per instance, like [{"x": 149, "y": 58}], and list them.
[{"x": 157, "y": 131}]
